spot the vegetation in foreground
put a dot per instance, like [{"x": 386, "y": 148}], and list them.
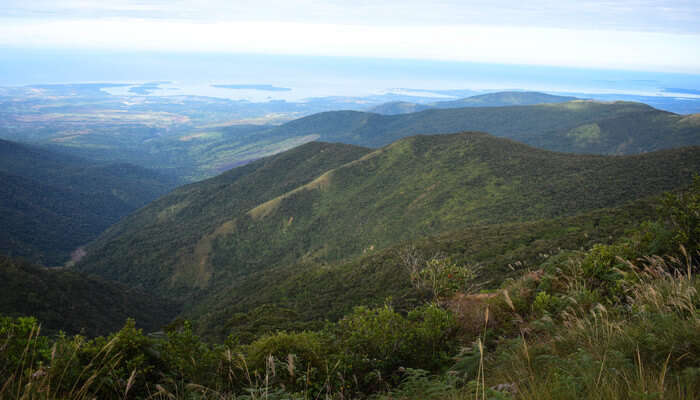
[{"x": 619, "y": 321}]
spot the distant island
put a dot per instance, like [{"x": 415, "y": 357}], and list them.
[
  {"x": 148, "y": 87},
  {"x": 268, "y": 88}
]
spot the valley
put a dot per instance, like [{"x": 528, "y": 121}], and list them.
[
  {"x": 328, "y": 200},
  {"x": 52, "y": 203},
  {"x": 196, "y": 137},
  {"x": 378, "y": 242}
]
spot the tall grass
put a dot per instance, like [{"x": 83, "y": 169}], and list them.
[
  {"x": 646, "y": 347},
  {"x": 55, "y": 377}
]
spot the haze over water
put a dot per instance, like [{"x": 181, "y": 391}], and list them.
[{"x": 318, "y": 76}]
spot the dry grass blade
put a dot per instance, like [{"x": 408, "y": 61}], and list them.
[{"x": 130, "y": 383}]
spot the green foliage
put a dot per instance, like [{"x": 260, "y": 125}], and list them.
[
  {"x": 219, "y": 244},
  {"x": 297, "y": 360},
  {"x": 419, "y": 384},
  {"x": 500, "y": 99},
  {"x": 558, "y": 332},
  {"x": 187, "y": 357},
  {"x": 289, "y": 241},
  {"x": 544, "y": 302},
  {"x": 374, "y": 343},
  {"x": 51, "y": 203},
  {"x": 443, "y": 278},
  {"x": 620, "y": 323},
  {"x": 682, "y": 210},
  {"x": 623, "y": 127},
  {"x": 157, "y": 246},
  {"x": 433, "y": 329},
  {"x": 21, "y": 346},
  {"x": 75, "y": 303}
]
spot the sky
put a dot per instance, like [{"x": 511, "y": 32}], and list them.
[{"x": 641, "y": 35}]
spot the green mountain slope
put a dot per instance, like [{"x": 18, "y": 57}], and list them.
[
  {"x": 218, "y": 233},
  {"x": 304, "y": 295},
  {"x": 166, "y": 244},
  {"x": 429, "y": 184},
  {"x": 398, "y": 107},
  {"x": 499, "y": 99},
  {"x": 51, "y": 203},
  {"x": 577, "y": 126},
  {"x": 74, "y": 303}
]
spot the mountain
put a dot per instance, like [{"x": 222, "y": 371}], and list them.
[
  {"x": 74, "y": 303},
  {"x": 165, "y": 240},
  {"x": 170, "y": 143},
  {"x": 324, "y": 203},
  {"x": 305, "y": 294},
  {"x": 398, "y": 107},
  {"x": 579, "y": 126},
  {"x": 499, "y": 99},
  {"x": 52, "y": 203}
]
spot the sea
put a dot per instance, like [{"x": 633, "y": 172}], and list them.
[{"x": 261, "y": 77}]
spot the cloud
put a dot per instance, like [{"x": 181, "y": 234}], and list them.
[
  {"x": 634, "y": 34},
  {"x": 671, "y": 16},
  {"x": 478, "y": 43}
]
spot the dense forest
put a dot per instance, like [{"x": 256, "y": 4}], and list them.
[
  {"x": 335, "y": 202},
  {"x": 579, "y": 126},
  {"x": 52, "y": 203},
  {"x": 395, "y": 259},
  {"x": 614, "y": 321}
]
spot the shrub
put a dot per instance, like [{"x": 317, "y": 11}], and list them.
[
  {"x": 374, "y": 343},
  {"x": 189, "y": 359},
  {"x": 21, "y": 346},
  {"x": 294, "y": 359}
]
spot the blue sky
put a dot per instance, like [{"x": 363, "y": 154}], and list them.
[{"x": 623, "y": 34}]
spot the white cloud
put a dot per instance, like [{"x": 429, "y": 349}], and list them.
[
  {"x": 676, "y": 16},
  {"x": 480, "y": 43}
]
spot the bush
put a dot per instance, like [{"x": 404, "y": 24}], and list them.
[
  {"x": 294, "y": 359},
  {"x": 374, "y": 343},
  {"x": 20, "y": 344},
  {"x": 189, "y": 359}
]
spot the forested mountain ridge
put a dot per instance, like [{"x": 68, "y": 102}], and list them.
[
  {"x": 52, "y": 203},
  {"x": 171, "y": 234},
  {"x": 195, "y": 152},
  {"x": 579, "y": 126},
  {"x": 205, "y": 238},
  {"x": 64, "y": 300},
  {"x": 398, "y": 107},
  {"x": 498, "y": 99},
  {"x": 305, "y": 294}
]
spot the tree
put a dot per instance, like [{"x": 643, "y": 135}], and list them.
[{"x": 439, "y": 275}]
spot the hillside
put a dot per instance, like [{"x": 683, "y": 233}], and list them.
[
  {"x": 501, "y": 99},
  {"x": 204, "y": 238},
  {"x": 304, "y": 295},
  {"x": 577, "y": 126},
  {"x": 498, "y": 99},
  {"x": 614, "y": 321},
  {"x": 398, "y": 107},
  {"x": 195, "y": 152},
  {"x": 165, "y": 244},
  {"x": 73, "y": 303},
  {"x": 52, "y": 203}
]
